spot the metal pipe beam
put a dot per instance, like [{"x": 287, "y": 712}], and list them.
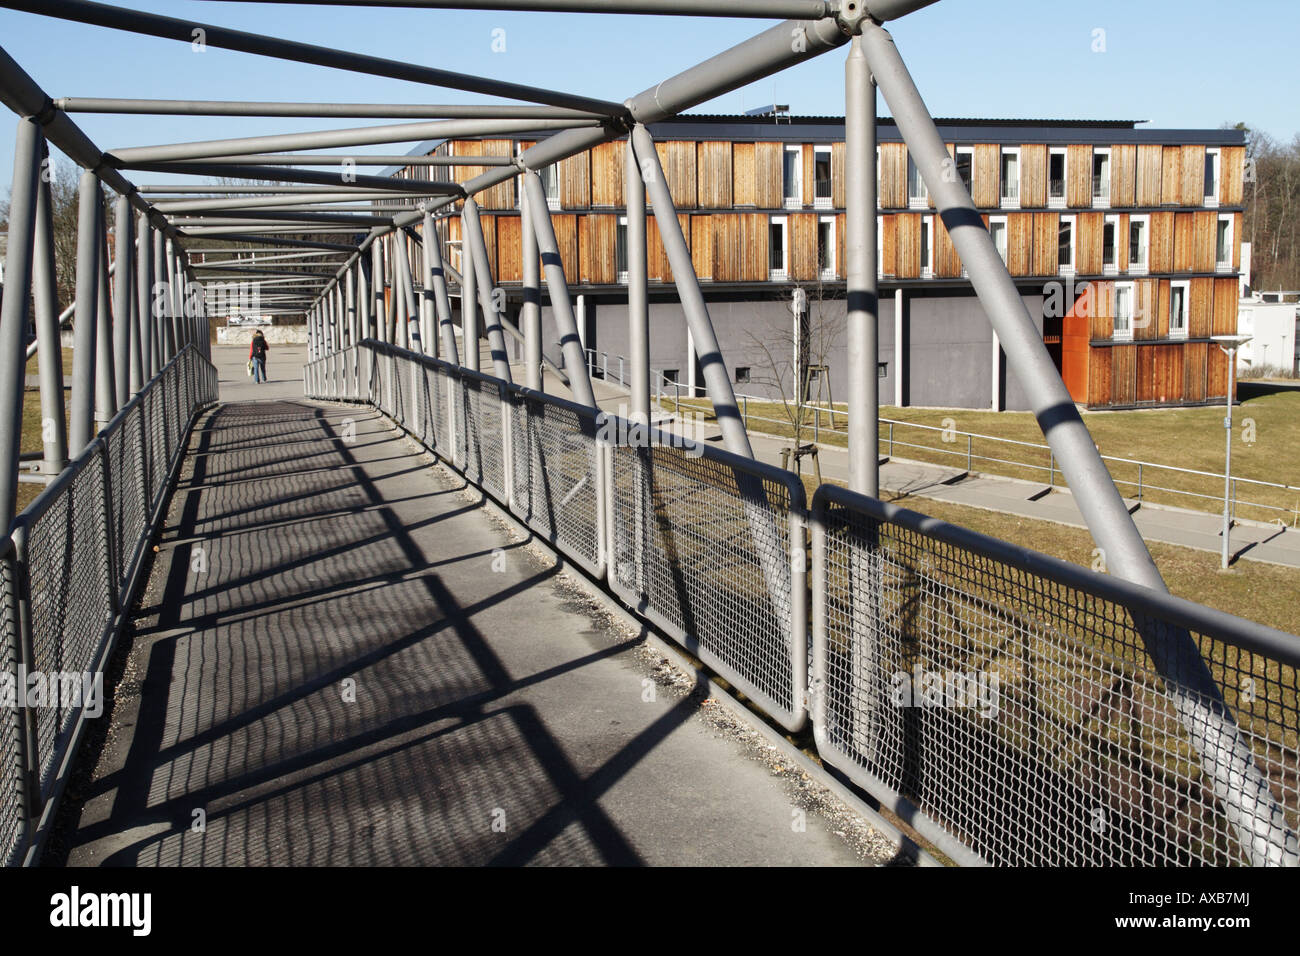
[
  {"x": 860, "y": 270},
  {"x": 54, "y": 424},
  {"x": 123, "y": 293},
  {"x": 177, "y": 206},
  {"x": 638, "y": 306},
  {"x": 530, "y": 313},
  {"x": 436, "y": 278},
  {"x": 82, "y": 428},
  {"x": 294, "y": 175},
  {"x": 473, "y": 236},
  {"x": 89, "y": 104},
  {"x": 756, "y": 9}
]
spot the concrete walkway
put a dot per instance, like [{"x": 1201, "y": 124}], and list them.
[{"x": 340, "y": 659}]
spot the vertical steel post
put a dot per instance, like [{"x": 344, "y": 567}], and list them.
[
  {"x": 403, "y": 287},
  {"x": 105, "y": 374},
  {"x": 575, "y": 361},
  {"x": 28, "y": 149},
  {"x": 177, "y": 298},
  {"x": 1227, "y": 457},
  {"x": 49, "y": 346},
  {"x": 860, "y": 268},
  {"x": 161, "y": 302},
  {"x": 472, "y": 234},
  {"x": 1226, "y": 755},
  {"x": 82, "y": 429},
  {"x": 716, "y": 379},
  {"x": 377, "y": 287},
  {"x": 144, "y": 298},
  {"x": 638, "y": 307},
  {"x": 468, "y": 307},
  {"x": 530, "y": 314},
  {"x": 436, "y": 279}
]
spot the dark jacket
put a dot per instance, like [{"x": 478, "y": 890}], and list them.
[{"x": 258, "y": 348}]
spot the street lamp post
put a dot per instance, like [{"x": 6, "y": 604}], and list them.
[{"x": 1228, "y": 344}]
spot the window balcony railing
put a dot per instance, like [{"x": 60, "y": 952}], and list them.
[
  {"x": 1101, "y": 188},
  {"x": 1011, "y": 194}
]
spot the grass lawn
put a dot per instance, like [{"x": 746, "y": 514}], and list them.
[
  {"x": 1182, "y": 437},
  {"x": 34, "y": 364}
]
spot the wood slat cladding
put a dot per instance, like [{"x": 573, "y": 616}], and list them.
[
  {"x": 1200, "y": 308},
  {"x": 1088, "y": 242},
  {"x": 1150, "y": 161},
  {"x": 1193, "y": 160},
  {"x": 575, "y": 181},
  {"x": 1123, "y": 375},
  {"x": 768, "y": 175},
  {"x": 713, "y": 165},
  {"x": 1121, "y": 243},
  {"x": 1046, "y": 226},
  {"x": 1078, "y": 172},
  {"x": 1161, "y": 254},
  {"x": 947, "y": 264},
  {"x": 739, "y": 247},
  {"x": 803, "y": 246},
  {"x": 657, "y": 269},
  {"x": 984, "y": 175},
  {"x": 893, "y": 176},
  {"x": 908, "y": 245},
  {"x": 889, "y": 245},
  {"x": 702, "y": 232},
  {"x": 597, "y": 253},
  {"x": 1020, "y": 243},
  {"x": 808, "y": 178},
  {"x": 1146, "y": 309},
  {"x": 1216, "y": 376},
  {"x": 500, "y": 196},
  {"x": 1195, "y": 355},
  {"x": 510, "y": 253},
  {"x": 1224, "y": 307},
  {"x": 607, "y": 185},
  {"x": 1099, "y": 392},
  {"x": 1171, "y": 176},
  {"x": 1166, "y": 383},
  {"x": 1162, "y": 309},
  {"x": 753, "y": 246},
  {"x": 838, "y": 154},
  {"x": 744, "y": 175},
  {"x": 1100, "y": 307},
  {"x": 1123, "y": 175},
  {"x": 841, "y": 269},
  {"x": 1205, "y": 225},
  {"x": 678, "y": 161},
  {"x": 1183, "y": 243},
  {"x": 566, "y": 239},
  {"x": 1033, "y": 175},
  {"x": 1232, "y": 161}
]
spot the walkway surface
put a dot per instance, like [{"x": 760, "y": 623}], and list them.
[{"x": 341, "y": 659}]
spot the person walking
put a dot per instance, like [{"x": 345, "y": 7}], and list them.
[{"x": 257, "y": 356}]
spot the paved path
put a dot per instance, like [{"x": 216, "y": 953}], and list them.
[{"x": 340, "y": 660}]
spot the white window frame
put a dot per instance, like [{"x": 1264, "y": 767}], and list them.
[
  {"x": 1058, "y": 202},
  {"x": 969, "y": 151},
  {"x": 830, "y": 272},
  {"x": 779, "y": 275},
  {"x": 1103, "y": 200},
  {"x": 1143, "y": 220},
  {"x": 1212, "y": 189},
  {"x": 1219, "y": 264},
  {"x": 622, "y": 230},
  {"x": 1125, "y": 334},
  {"x": 927, "y": 261},
  {"x": 552, "y": 202},
  {"x": 1009, "y": 202},
  {"x": 823, "y": 202},
  {"x": 795, "y": 201},
  {"x": 880, "y": 251},
  {"x": 1180, "y": 331},
  {"x": 1005, "y": 251},
  {"x": 1068, "y": 268},
  {"x": 878, "y": 178},
  {"x": 1110, "y": 268},
  {"x": 916, "y": 202}
]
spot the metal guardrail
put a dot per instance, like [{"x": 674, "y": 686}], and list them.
[
  {"x": 67, "y": 572},
  {"x": 1002, "y": 702}
]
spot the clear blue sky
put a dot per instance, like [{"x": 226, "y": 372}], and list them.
[{"x": 1178, "y": 63}]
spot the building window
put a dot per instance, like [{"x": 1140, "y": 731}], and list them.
[
  {"x": 826, "y": 246},
  {"x": 670, "y": 376},
  {"x": 1056, "y": 159},
  {"x": 1065, "y": 245},
  {"x": 965, "y": 165},
  {"x": 1109, "y": 246},
  {"x": 1010, "y": 173},
  {"x": 927, "y": 247},
  {"x": 822, "y": 177},
  {"x": 998, "y": 230},
  {"x": 1178, "y": 296},
  {"x": 742, "y": 374},
  {"x": 793, "y": 176},
  {"x": 550, "y": 176},
  {"x": 620, "y": 248},
  {"x": 1101, "y": 177},
  {"x": 1123, "y": 311},
  {"x": 1138, "y": 243},
  {"x": 1213, "y": 160},
  {"x": 1223, "y": 245},
  {"x": 916, "y": 192},
  {"x": 776, "y": 248},
  {"x": 882, "y": 370}
]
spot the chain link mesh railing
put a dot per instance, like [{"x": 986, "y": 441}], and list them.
[
  {"x": 70, "y": 565},
  {"x": 1001, "y": 701},
  {"x": 1011, "y": 700}
]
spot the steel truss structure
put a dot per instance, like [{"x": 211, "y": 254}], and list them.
[{"x": 333, "y": 241}]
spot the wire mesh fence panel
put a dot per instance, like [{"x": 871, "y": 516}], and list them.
[
  {"x": 557, "y": 476},
  {"x": 484, "y": 398},
  {"x": 155, "y": 402},
  {"x": 127, "y": 488},
  {"x": 13, "y": 813},
  {"x": 1020, "y": 712},
  {"x": 704, "y": 546},
  {"x": 435, "y": 396},
  {"x": 69, "y": 597}
]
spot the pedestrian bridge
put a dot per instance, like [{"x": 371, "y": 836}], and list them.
[{"x": 330, "y": 622}]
